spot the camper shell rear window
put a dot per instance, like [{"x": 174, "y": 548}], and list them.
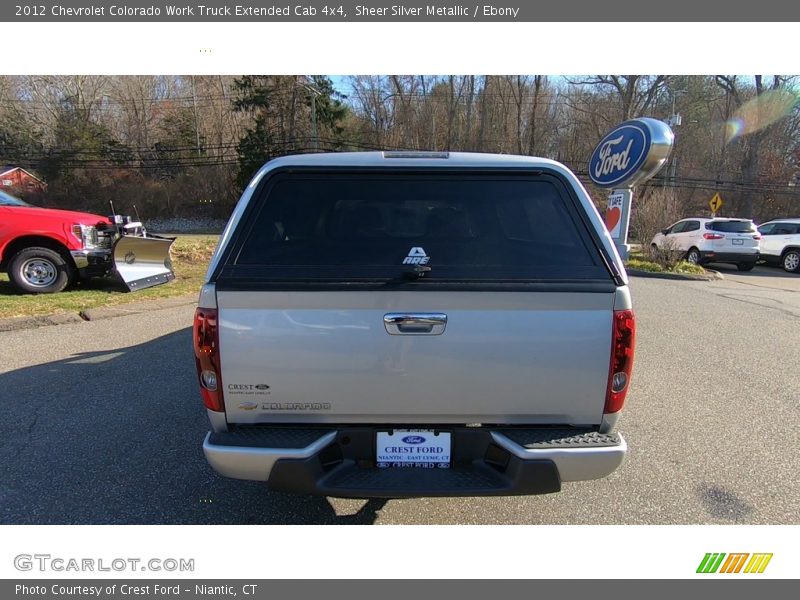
[{"x": 431, "y": 227}]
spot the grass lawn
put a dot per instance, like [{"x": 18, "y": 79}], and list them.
[
  {"x": 190, "y": 256},
  {"x": 640, "y": 262}
]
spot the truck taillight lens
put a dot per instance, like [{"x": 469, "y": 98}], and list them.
[
  {"x": 206, "y": 353},
  {"x": 713, "y": 236},
  {"x": 622, "y": 348}
]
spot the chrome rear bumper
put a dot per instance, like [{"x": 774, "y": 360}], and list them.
[{"x": 486, "y": 462}]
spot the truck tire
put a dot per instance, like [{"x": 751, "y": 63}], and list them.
[{"x": 39, "y": 270}]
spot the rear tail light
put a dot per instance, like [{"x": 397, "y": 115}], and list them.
[
  {"x": 713, "y": 236},
  {"x": 757, "y": 236},
  {"x": 206, "y": 351},
  {"x": 622, "y": 349}
]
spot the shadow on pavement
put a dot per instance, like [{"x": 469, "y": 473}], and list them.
[
  {"x": 115, "y": 438},
  {"x": 759, "y": 271}
]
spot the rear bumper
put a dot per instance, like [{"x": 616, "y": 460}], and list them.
[
  {"x": 728, "y": 257},
  {"x": 486, "y": 462}
]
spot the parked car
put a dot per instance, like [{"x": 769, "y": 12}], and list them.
[
  {"x": 44, "y": 250},
  {"x": 718, "y": 240},
  {"x": 414, "y": 324},
  {"x": 780, "y": 243}
]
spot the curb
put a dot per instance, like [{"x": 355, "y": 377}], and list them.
[
  {"x": 18, "y": 323},
  {"x": 95, "y": 314},
  {"x": 135, "y": 308},
  {"x": 710, "y": 275}
]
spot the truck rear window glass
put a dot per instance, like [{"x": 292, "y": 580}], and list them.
[
  {"x": 732, "y": 226},
  {"x": 462, "y": 227}
]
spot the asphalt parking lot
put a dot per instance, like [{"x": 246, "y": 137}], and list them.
[{"x": 103, "y": 424}]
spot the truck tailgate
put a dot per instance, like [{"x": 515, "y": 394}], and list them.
[{"x": 327, "y": 357}]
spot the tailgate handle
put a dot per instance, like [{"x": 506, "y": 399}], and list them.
[{"x": 415, "y": 323}]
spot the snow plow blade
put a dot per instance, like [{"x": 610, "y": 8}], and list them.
[{"x": 142, "y": 262}]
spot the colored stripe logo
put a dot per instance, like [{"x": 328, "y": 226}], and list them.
[{"x": 719, "y": 562}]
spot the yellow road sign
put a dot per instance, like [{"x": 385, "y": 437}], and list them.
[{"x": 716, "y": 202}]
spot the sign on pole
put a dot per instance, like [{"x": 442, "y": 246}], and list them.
[
  {"x": 630, "y": 153},
  {"x": 715, "y": 203},
  {"x": 614, "y": 213}
]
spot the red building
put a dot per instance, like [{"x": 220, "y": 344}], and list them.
[{"x": 16, "y": 181}]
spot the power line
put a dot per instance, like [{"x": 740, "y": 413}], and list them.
[{"x": 305, "y": 145}]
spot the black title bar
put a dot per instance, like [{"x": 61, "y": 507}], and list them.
[{"x": 337, "y": 11}]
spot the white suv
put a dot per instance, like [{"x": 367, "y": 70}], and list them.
[
  {"x": 717, "y": 240},
  {"x": 780, "y": 244}
]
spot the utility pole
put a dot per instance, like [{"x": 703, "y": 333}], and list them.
[
  {"x": 314, "y": 121},
  {"x": 313, "y": 92},
  {"x": 674, "y": 120},
  {"x": 196, "y": 126}
]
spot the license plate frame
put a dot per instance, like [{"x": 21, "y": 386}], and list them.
[{"x": 413, "y": 448}]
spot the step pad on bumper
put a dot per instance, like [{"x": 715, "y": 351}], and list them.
[
  {"x": 560, "y": 438},
  {"x": 255, "y": 436},
  {"x": 399, "y": 479},
  {"x": 349, "y": 480}
]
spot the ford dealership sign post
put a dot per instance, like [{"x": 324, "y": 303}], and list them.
[{"x": 630, "y": 153}]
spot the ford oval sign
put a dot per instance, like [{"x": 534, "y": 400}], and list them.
[
  {"x": 413, "y": 439},
  {"x": 631, "y": 153}
]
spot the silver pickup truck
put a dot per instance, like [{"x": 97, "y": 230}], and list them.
[{"x": 400, "y": 324}]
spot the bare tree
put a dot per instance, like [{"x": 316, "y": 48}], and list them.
[{"x": 752, "y": 143}]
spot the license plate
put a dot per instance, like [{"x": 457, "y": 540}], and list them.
[
  {"x": 413, "y": 448},
  {"x": 737, "y": 242}
]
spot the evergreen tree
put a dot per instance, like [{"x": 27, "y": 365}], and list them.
[{"x": 282, "y": 111}]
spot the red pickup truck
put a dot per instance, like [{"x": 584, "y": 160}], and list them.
[{"x": 44, "y": 250}]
